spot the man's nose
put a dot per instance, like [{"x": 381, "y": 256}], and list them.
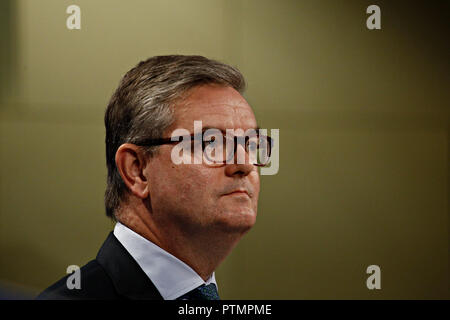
[{"x": 239, "y": 167}]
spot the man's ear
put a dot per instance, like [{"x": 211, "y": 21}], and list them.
[{"x": 131, "y": 162}]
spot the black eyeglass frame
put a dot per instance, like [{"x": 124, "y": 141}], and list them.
[{"x": 237, "y": 140}]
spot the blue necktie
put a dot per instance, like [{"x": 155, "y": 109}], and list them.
[{"x": 204, "y": 292}]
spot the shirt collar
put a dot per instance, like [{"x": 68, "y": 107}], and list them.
[{"x": 171, "y": 276}]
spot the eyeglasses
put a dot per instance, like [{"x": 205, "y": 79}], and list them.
[{"x": 219, "y": 149}]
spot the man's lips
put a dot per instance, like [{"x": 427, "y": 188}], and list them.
[{"x": 237, "y": 192}]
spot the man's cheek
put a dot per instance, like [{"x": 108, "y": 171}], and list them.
[{"x": 190, "y": 191}]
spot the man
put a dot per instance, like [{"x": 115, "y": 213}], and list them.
[{"x": 175, "y": 222}]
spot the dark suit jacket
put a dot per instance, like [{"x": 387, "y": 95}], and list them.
[{"x": 114, "y": 274}]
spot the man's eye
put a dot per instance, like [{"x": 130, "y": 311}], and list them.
[{"x": 209, "y": 140}]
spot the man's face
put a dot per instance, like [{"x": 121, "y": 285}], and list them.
[{"x": 193, "y": 197}]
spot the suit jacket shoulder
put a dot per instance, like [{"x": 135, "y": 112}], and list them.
[
  {"x": 95, "y": 284},
  {"x": 114, "y": 274}
]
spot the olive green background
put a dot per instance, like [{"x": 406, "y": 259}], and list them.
[{"x": 364, "y": 137}]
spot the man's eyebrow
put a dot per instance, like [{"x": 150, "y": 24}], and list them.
[{"x": 224, "y": 130}]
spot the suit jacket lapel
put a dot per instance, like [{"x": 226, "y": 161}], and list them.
[{"x": 128, "y": 278}]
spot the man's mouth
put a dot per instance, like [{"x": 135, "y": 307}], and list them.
[{"x": 237, "y": 193}]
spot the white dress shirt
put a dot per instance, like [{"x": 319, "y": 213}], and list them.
[{"x": 171, "y": 276}]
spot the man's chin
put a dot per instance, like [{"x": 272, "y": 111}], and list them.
[{"x": 237, "y": 221}]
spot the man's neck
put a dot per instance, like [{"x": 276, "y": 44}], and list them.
[{"x": 202, "y": 251}]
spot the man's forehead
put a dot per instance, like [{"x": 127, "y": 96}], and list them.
[
  {"x": 221, "y": 116},
  {"x": 216, "y": 107}
]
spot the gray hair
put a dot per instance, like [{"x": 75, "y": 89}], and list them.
[{"x": 142, "y": 107}]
